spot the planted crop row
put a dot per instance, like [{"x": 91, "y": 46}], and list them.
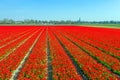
[
  {"x": 62, "y": 66},
  {"x": 36, "y": 65},
  {"x": 87, "y": 63},
  {"x": 9, "y": 64}
]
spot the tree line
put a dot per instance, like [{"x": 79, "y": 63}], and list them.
[{"x": 45, "y": 22}]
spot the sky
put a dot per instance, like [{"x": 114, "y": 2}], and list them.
[{"x": 87, "y": 10}]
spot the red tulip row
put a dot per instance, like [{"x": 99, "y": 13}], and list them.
[
  {"x": 7, "y": 49},
  {"x": 9, "y": 64},
  {"x": 107, "y": 48},
  {"x": 62, "y": 67},
  {"x": 104, "y": 48},
  {"x": 9, "y": 33},
  {"x": 109, "y": 61},
  {"x": 90, "y": 67},
  {"x": 60, "y": 52},
  {"x": 13, "y": 36},
  {"x": 106, "y": 36},
  {"x": 91, "y": 35},
  {"x": 35, "y": 67}
]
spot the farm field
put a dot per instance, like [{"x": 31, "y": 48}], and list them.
[
  {"x": 59, "y": 53},
  {"x": 101, "y": 25}
]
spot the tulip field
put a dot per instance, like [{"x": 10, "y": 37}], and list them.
[{"x": 59, "y": 53}]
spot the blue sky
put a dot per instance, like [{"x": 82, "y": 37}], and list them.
[{"x": 90, "y": 10}]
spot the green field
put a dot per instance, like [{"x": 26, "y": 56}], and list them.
[
  {"x": 82, "y": 24},
  {"x": 102, "y": 25}
]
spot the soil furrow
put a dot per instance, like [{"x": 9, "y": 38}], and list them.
[{"x": 48, "y": 57}]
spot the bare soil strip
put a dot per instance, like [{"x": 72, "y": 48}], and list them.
[
  {"x": 17, "y": 71},
  {"x": 48, "y": 57}
]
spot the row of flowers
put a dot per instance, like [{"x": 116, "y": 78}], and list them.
[
  {"x": 9, "y": 64},
  {"x": 9, "y": 47},
  {"x": 62, "y": 67},
  {"x": 10, "y": 33},
  {"x": 108, "y": 39},
  {"x": 35, "y": 67},
  {"x": 109, "y": 61},
  {"x": 90, "y": 66}
]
